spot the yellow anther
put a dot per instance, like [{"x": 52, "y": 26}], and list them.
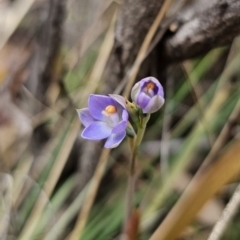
[
  {"x": 111, "y": 109},
  {"x": 150, "y": 85}
]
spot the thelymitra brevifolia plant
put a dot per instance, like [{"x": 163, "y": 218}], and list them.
[{"x": 108, "y": 117}]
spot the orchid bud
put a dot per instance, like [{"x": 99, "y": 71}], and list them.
[{"x": 148, "y": 95}]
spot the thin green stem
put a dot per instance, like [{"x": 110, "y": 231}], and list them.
[{"x": 132, "y": 170}]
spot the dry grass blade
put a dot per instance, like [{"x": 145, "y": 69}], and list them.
[
  {"x": 91, "y": 34},
  {"x": 144, "y": 47},
  {"x": 91, "y": 193},
  {"x": 6, "y": 192},
  {"x": 210, "y": 113},
  {"x": 219, "y": 143},
  {"x": 91, "y": 87},
  {"x": 22, "y": 171},
  {"x": 36, "y": 170},
  {"x": 196, "y": 97},
  {"x": 10, "y": 19},
  {"x": 100, "y": 63},
  {"x": 199, "y": 191},
  {"x": 227, "y": 215},
  {"x": 165, "y": 146},
  {"x": 51, "y": 181}
]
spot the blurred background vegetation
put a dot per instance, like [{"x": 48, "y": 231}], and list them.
[{"x": 55, "y": 185}]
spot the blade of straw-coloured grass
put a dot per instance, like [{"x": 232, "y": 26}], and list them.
[
  {"x": 96, "y": 74},
  {"x": 131, "y": 75},
  {"x": 225, "y": 76},
  {"x": 44, "y": 159},
  {"x": 108, "y": 223},
  {"x": 65, "y": 190},
  {"x": 183, "y": 157},
  {"x": 40, "y": 170},
  {"x": 100, "y": 63},
  {"x": 49, "y": 112},
  {"x": 66, "y": 217},
  {"x": 178, "y": 96},
  {"x": 22, "y": 170},
  {"x": 167, "y": 119},
  {"x": 57, "y": 201},
  {"x": 198, "y": 72},
  {"x": 6, "y": 194},
  {"x": 184, "y": 154},
  {"x": 219, "y": 143},
  {"x": 91, "y": 87},
  {"x": 196, "y": 97},
  {"x": 228, "y": 213},
  {"x": 107, "y": 206},
  {"x": 200, "y": 190},
  {"x": 52, "y": 179},
  {"x": 91, "y": 34},
  {"x": 10, "y": 19},
  {"x": 75, "y": 80},
  {"x": 91, "y": 193}
]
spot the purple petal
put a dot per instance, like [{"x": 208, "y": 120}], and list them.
[
  {"x": 113, "y": 119},
  {"x": 85, "y": 116},
  {"x": 120, "y": 99},
  {"x": 159, "y": 85},
  {"x": 135, "y": 91},
  {"x": 120, "y": 127},
  {"x": 115, "y": 139},
  {"x": 98, "y": 103},
  {"x": 143, "y": 100},
  {"x": 143, "y": 81},
  {"x": 154, "y": 104},
  {"x": 155, "y": 81},
  {"x": 124, "y": 115},
  {"x": 97, "y": 131},
  {"x": 160, "y": 91}
]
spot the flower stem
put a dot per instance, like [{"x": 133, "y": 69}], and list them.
[{"x": 132, "y": 169}]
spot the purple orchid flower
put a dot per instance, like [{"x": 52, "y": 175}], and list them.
[
  {"x": 148, "y": 95},
  {"x": 105, "y": 117}
]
